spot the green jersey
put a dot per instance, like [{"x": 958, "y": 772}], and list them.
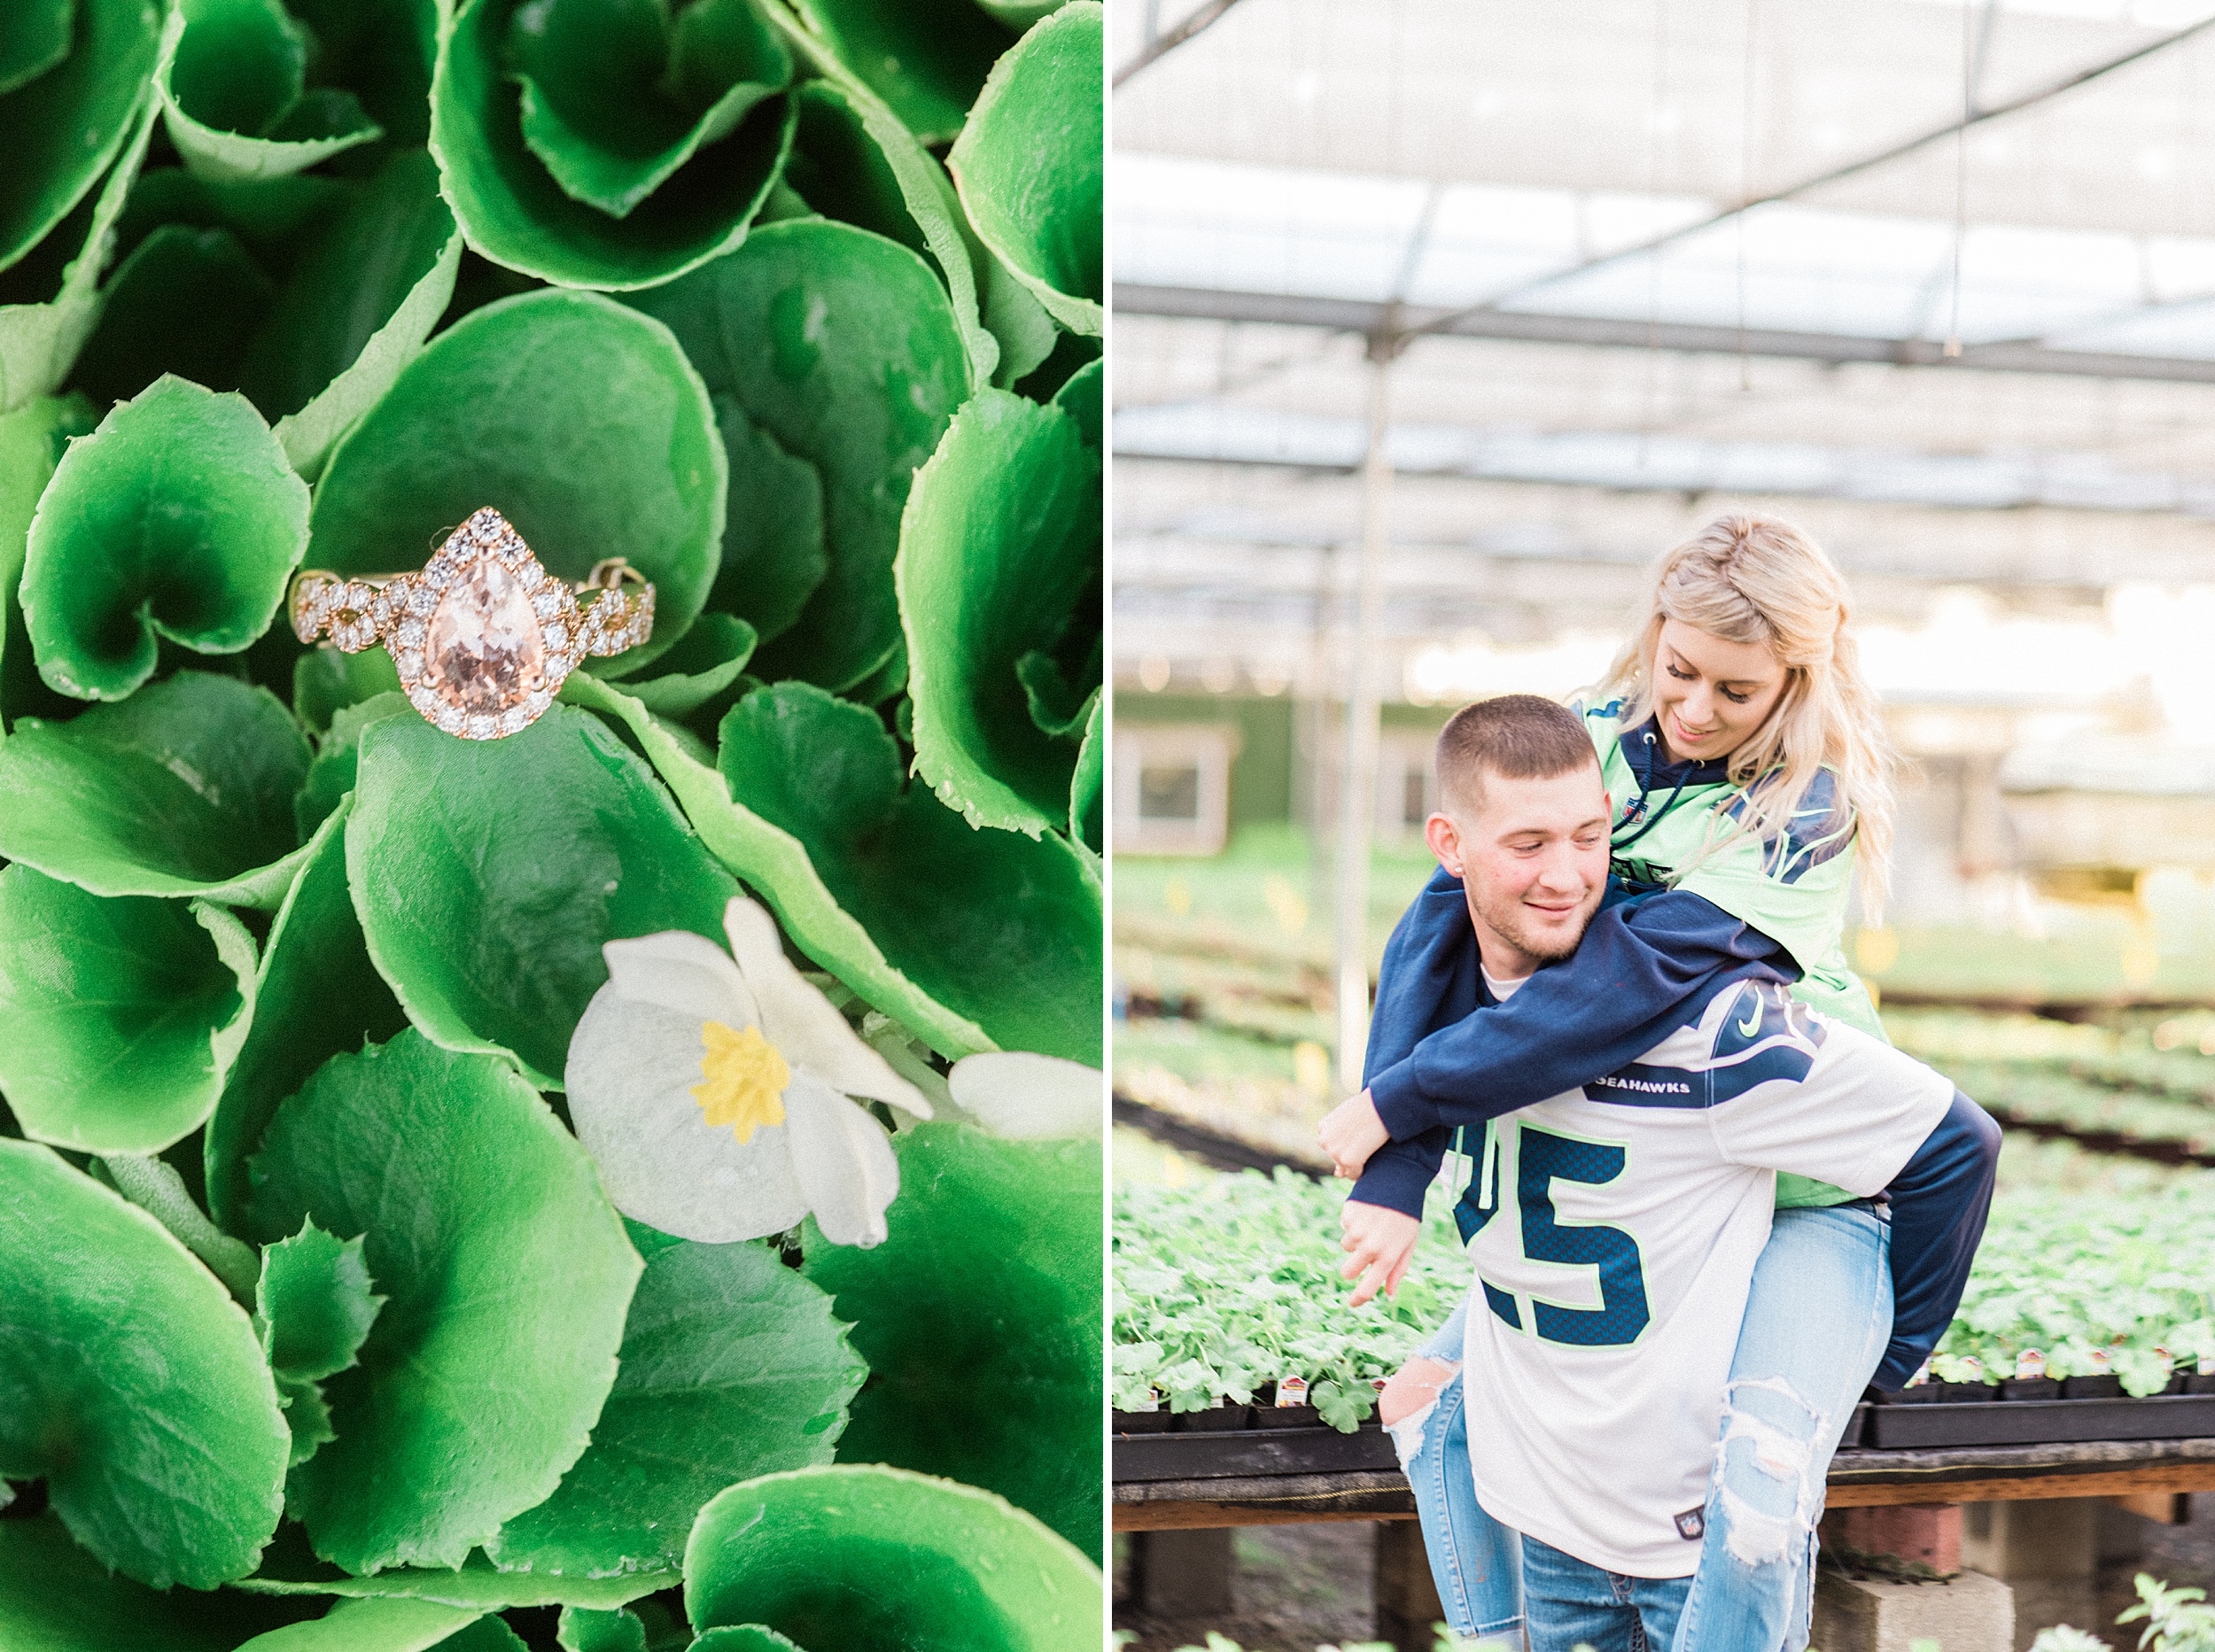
[{"x": 1676, "y": 827}]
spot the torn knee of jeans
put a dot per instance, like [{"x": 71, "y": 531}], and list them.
[
  {"x": 1778, "y": 1430},
  {"x": 1407, "y": 1433},
  {"x": 1757, "y": 1537}
]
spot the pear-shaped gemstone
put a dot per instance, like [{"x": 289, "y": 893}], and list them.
[{"x": 483, "y": 650}]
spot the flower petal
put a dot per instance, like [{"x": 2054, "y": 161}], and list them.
[
  {"x": 680, "y": 970},
  {"x": 630, "y": 1074},
  {"x": 801, "y": 1021},
  {"x": 1025, "y": 1097},
  {"x": 844, "y": 1159}
]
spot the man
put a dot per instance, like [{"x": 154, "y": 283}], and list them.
[{"x": 1606, "y": 1310}]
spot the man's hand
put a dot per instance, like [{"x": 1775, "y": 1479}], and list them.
[
  {"x": 1378, "y": 1243},
  {"x": 1350, "y": 1132}
]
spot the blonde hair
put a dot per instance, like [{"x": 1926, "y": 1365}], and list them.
[{"x": 1758, "y": 579}]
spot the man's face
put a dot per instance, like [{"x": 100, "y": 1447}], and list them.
[{"x": 1531, "y": 856}]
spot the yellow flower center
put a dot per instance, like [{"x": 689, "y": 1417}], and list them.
[{"x": 743, "y": 1080}]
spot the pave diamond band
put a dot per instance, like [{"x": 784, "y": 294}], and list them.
[{"x": 482, "y": 637}]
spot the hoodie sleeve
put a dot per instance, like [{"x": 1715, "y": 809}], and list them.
[{"x": 1643, "y": 968}]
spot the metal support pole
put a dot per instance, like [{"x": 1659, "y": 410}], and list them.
[{"x": 1358, "y": 776}]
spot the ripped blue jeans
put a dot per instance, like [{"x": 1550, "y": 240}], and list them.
[{"x": 1816, "y": 1322}]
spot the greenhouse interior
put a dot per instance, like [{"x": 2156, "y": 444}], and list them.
[{"x": 1436, "y": 321}]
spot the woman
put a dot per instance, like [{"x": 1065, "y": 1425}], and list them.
[{"x": 1751, "y": 779}]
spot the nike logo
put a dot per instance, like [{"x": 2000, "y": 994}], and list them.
[{"x": 1753, "y": 1022}]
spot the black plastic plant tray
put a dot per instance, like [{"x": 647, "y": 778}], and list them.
[
  {"x": 2039, "y": 1422},
  {"x": 1249, "y": 1451}
]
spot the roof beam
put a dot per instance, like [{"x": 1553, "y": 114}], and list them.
[{"x": 1369, "y": 320}]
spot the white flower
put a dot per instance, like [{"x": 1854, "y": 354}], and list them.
[
  {"x": 713, "y": 1093},
  {"x": 1025, "y": 1098}
]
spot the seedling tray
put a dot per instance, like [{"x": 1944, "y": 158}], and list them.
[
  {"x": 1242, "y": 1453},
  {"x": 2037, "y": 1422}
]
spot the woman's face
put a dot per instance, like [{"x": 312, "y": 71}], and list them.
[{"x": 1709, "y": 695}]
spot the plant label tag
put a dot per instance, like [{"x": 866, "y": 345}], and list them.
[
  {"x": 1292, "y": 1391},
  {"x": 2030, "y": 1364}
]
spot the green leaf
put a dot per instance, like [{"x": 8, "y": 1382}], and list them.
[
  {"x": 37, "y": 39},
  {"x": 828, "y": 773},
  {"x": 731, "y": 1366},
  {"x": 317, "y": 995},
  {"x": 1026, "y": 332},
  {"x": 1085, "y": 786},
  {"x": 1020, "y": 14},
  {"x": 744, "y": 1638},
  {"x": 63, "y": 130},
  {"x": 1030, "y": 164},
  {"x": 476, "y": 1585},
  {"x": 123, "y": 1015},
  {"x": 324, "y": 681},
  {"x": 307, "y": 1415},
  {"x": 704, "y": 662},
  {"x": 382, "y": 51},
  {"x": 507, "y": 1275},
  {"x": 365, "y": 295},
  {"x": 843, "y": 345},
  {"x": 40, "y": 336},
  {"x": 837, "y": 167},
  {"x": 518, "y": 214},
  {"x": 999, "y": 1386},
  {"x": 56, "y": 1597},
  {"x": 614, "y": 99},
  {"x": 585, "y": 1630},
  {"x": 137, "y": 1389},
  {"x": 1001, "y": 536},
  {"x": 314, "y": 1305},
  {"x": 185, "y": 301},
  {"x": 774, "y": 557},
  {"x": 857, "y": 1559},
  {"x": 928, "y": 63},
  {"x": 232, "y": 83},
  {"x": 338, "y": 757},
  {"x": 386, "y": 1625},
  {"x": 1080, "y": 396},
  {"x": 31, "y": 442},
  {"x": 578, "y": 419},
  {"x": 184, "y": 788},
  {"x": 776, "y": 866},
  {"x": 487, "y": 874},
  {"x": 178, "y": 517}
]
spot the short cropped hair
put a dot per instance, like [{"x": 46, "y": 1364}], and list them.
[{"x": 1517, "y": 737}]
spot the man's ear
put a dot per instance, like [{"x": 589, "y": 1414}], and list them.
[{"x": 1444, "y": 838}]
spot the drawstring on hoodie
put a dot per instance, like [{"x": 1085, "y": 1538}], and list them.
[{"x": 1617, "y": 845}]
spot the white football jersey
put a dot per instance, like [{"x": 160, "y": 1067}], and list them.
[{"x": 1612, "y": 1265}]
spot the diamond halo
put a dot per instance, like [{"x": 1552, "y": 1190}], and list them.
[{"x": 482, "y": 637}]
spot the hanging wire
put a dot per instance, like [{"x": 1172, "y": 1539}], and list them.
[
  {"x": 1745, "y": 181},
  {"x": 1961, "y": 176}
]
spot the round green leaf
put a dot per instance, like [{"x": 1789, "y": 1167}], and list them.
[
  {"x": 581, "y": 1630},
  {"x": 859, "y": 1559},
  {"x": 184, "y": 788},
  {"x": 49, "y": 300},
  {"x": 179, "y": 516},
  {"x": 32, "y": 438},
  {"x": 317, "y": 995},
  {"x": 137, "y": 1388},
  {"x": 123, "y": 1015},
  {"x": 61, "y": 130},
  {"x": 704, "y": 662},
  {"x": 314, "y": 1305},
  {"x": 506, "y": 1274},
  {"x": 488, "y": 873},
  {"x": 56, "y": 1597},
  {"x": 775, "y": 865},
  {"x": 518, "y": 214},
  {"x": 992, "y": 1379},
  {"x": 578, "y": 419},
  {"x": 928, "y": 63},
  {"x": 1001, "y": 537},
  {"x": 616, "y": 96},
  {"x": 1031, "y": 162},
  {"x": 827, "y": 772},
  {"x": 382, "y": 1625},
  {"x": 476, "y": 1585},
  {"x": 232, "y": 79},
  {"x": 843, "y": 346},
  {"x": 731, "y": 1366}
]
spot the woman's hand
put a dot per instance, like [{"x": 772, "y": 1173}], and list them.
[
  {"x": 1350, "y": 1132},
  {"x": 1378, "y": 1243}
]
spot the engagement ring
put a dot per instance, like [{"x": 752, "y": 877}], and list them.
[{"x": 484, "y": 636}]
